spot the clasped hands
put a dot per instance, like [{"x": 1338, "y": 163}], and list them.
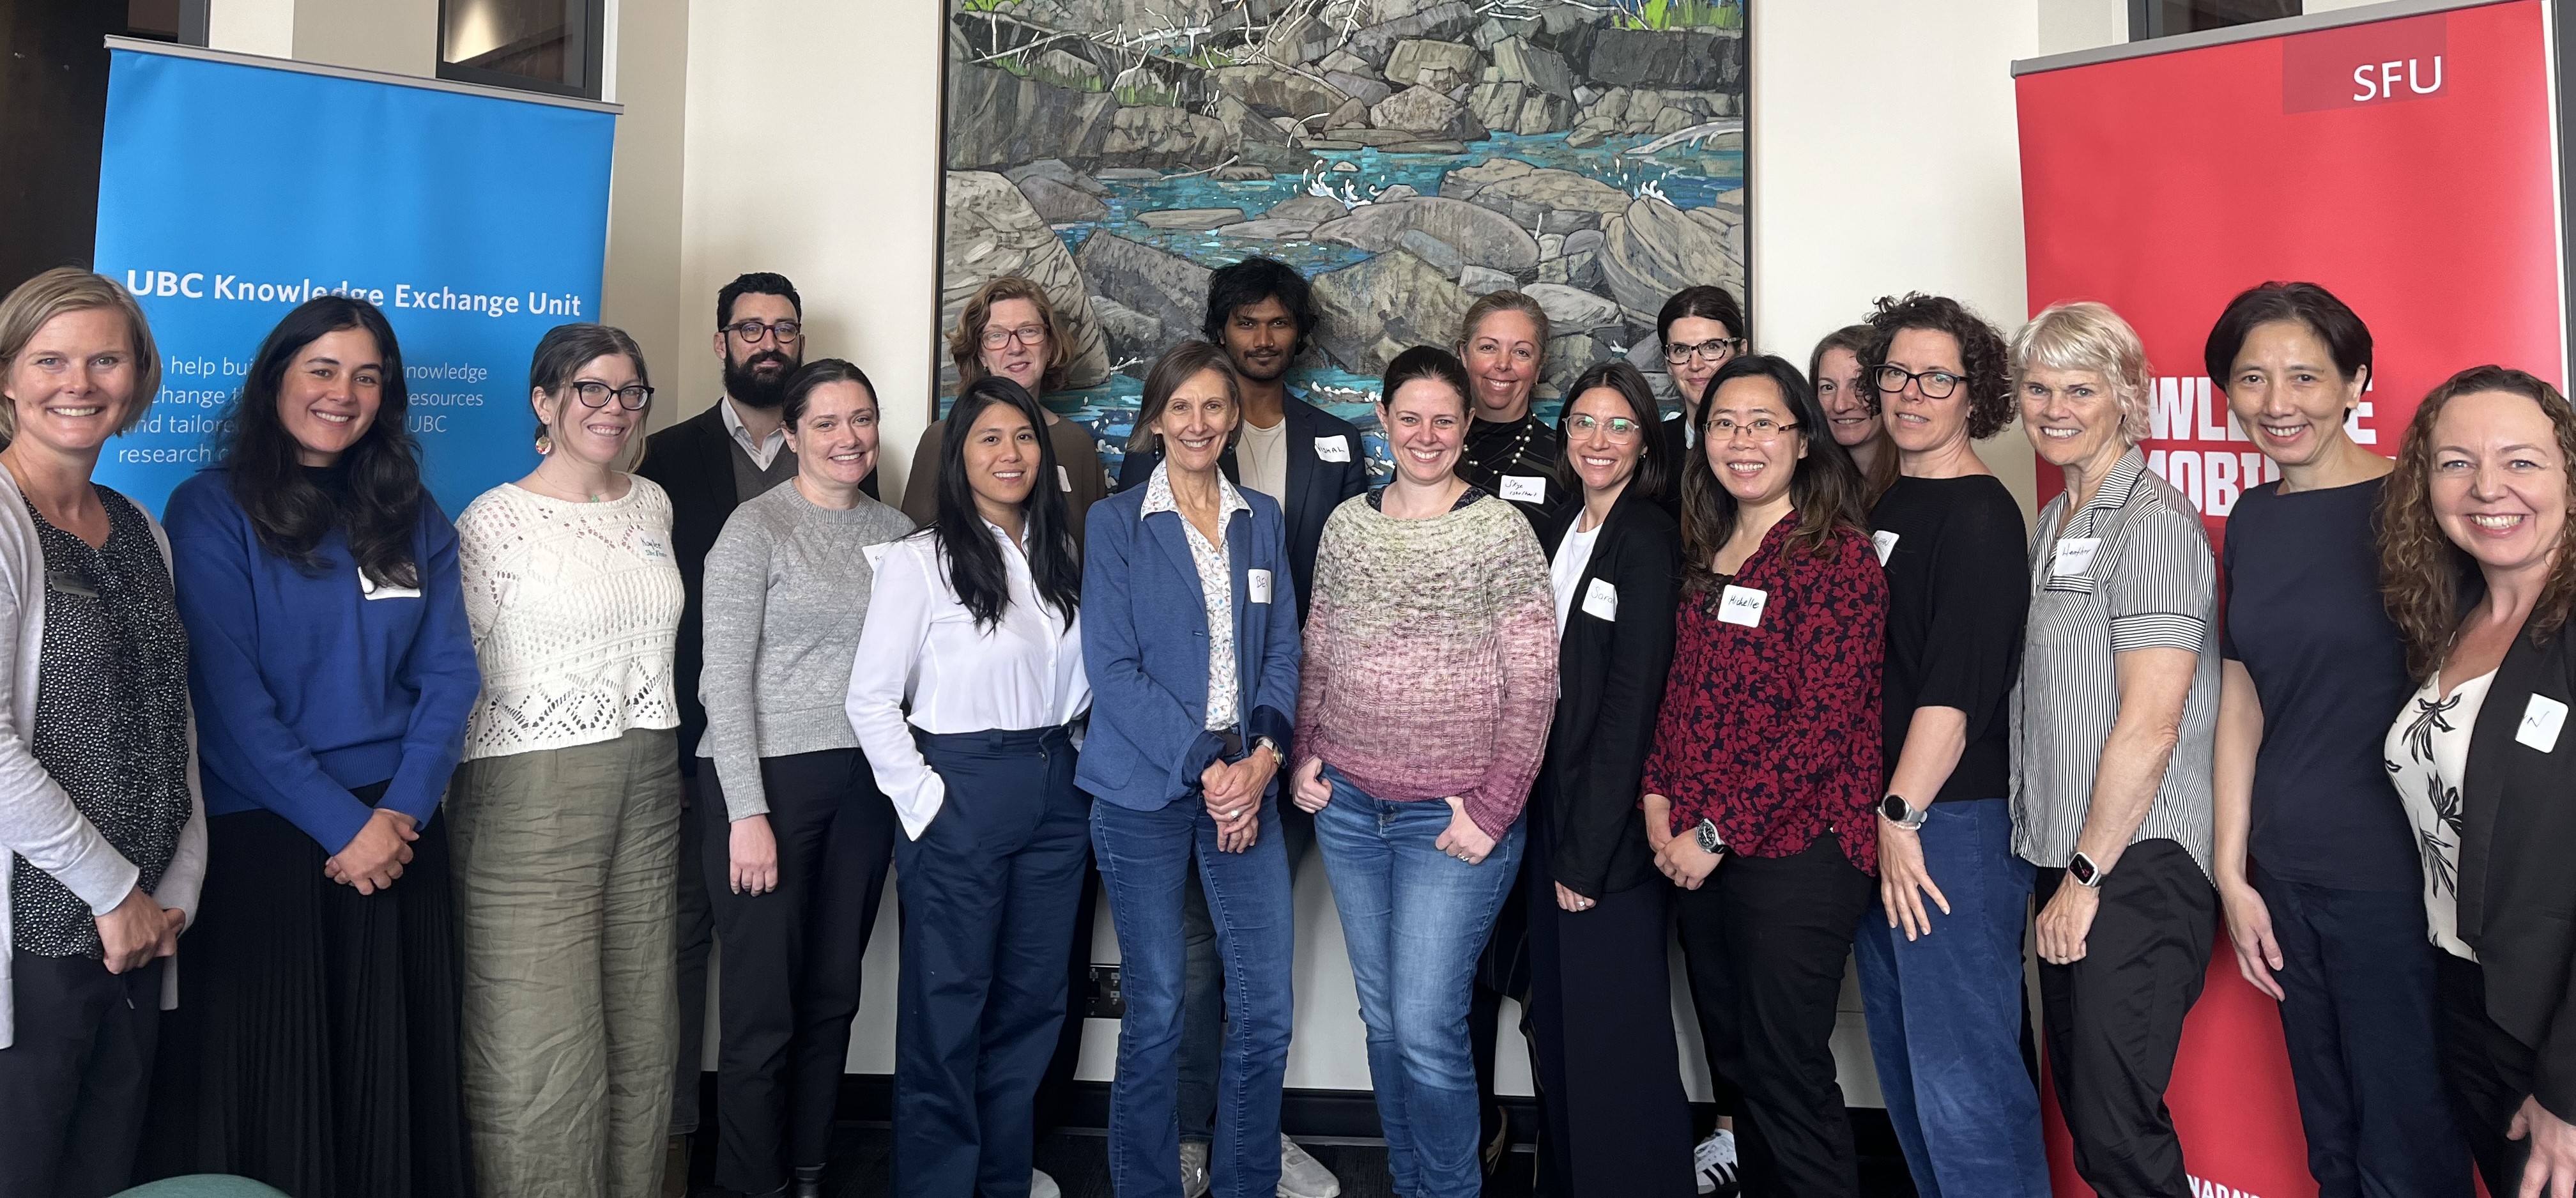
[
  {"x": 1233, "y": 793},
  {"x": 376, "y": 855}
]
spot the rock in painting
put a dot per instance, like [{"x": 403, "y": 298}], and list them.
[
  {"x": 1654, "y": 249},
  {"x": 1167, "y": 287},
  {"x": 1372, "y": 310},
  {"x": 1480, "y": 235}
]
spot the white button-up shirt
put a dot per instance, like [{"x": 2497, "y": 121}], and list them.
[
  {"x": 763, "y": 453},
  {"x": 921, "y": 648}
]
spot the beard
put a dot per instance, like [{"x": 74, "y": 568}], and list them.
[{"x": 754, "y": 387}]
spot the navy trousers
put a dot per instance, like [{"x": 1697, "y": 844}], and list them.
[{"x": 988, "y": 895}]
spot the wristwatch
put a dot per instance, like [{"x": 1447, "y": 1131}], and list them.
[
  {"x": 1708, "y": 838},
  {"x": 2081, "y": 869},
  {"x": 1277, "y": 758},
  {"x": 1895, "y": 810}
]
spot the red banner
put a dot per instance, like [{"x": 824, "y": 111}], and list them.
[{"x": 2403, "y": 164}]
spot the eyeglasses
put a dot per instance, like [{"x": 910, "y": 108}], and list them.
[
  {"x": 1935, "y": 384},
  {"x": 751, "y": 331},
  {"x": 1717, "y": 350},
  {"x": 1583, "y": 425},
  {"x": 1763, "y": 428},
  {"x": 631, "y": 397},
  {"x": 1031, "y": 335}
]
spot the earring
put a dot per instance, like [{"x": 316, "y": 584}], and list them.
[{"x": 545, "y": 444}]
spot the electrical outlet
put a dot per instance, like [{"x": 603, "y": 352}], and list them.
[{"x": 1108, "y": 1000}]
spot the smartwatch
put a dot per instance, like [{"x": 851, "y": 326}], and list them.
[
  {"x": 1708, "y": 838},
  {"x": 1895, "y": 810},
  {"x": 2083, "y": 872}
]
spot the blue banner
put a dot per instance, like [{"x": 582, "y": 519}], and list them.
[{"x": 230, "y": 192}]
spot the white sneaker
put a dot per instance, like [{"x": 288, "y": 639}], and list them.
[
  {"x": 1043, "y": 1186},
  {"x": 1302, "y": 1176},
  {"x": 1194, "y": 1171},
  {"x": 1714, "y": 1161}
]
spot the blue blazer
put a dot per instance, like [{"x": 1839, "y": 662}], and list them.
[{"x": 1145, "y": 645}]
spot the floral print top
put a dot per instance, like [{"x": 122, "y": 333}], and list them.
[{"x": 2427, "y": 753}]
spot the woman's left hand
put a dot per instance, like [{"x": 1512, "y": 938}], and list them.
[
  {"x": 2551, "y": 1171},
  {"x": 2065, "y": 922},
  {"x": 1464, "y": 840},
  {"x": 1687, "y": 864},
  {"x": 1567, "y": 900}
]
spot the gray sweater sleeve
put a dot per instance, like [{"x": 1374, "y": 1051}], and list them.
[{"x": 737, "y": 602}]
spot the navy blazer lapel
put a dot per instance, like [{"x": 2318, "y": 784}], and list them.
[
  {"x": 1175, "y": 545},
  {"x": 1301, "y": 452}
]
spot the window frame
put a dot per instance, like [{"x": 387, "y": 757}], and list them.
[{"x": 591, "y": 18}]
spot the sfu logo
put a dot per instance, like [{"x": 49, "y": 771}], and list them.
[{"x": 2358, "y": 65}]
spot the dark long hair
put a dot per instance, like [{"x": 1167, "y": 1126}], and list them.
[
  {"x": 1654, "y": 476},
  {"x": 1824, "y": 486},
  {"x": 292, "y": 515},
  {"x": 974, "y": 563}
]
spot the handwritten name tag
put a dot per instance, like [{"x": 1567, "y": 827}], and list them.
[
  {"x": 2541, "y": 720},
  {"x": 2074, "y": 556},
  {"x": 1335, "y": 448},
  {"x": 1601, "y": 599},
  {"x": 1524, "y": 488},
  {"x": 1742, "y": 605},
  {"x": 1256, "y": 586}
]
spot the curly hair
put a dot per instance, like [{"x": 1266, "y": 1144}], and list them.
[
  {"x": 966, "y": 341},
  {"x": 1240, "y": 286},
  {"x": 1981, "y": 353},
  {"x": 2428, "y": 581}
]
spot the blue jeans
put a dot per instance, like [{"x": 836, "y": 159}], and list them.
[
  {"x": 1145, "y": 858},
  {"x": 1415, "y": 920},
  {"x": 1203, "y": 988},
  {"x": 1945, "y": 1014}
]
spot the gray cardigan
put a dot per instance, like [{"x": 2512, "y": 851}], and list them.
[
  {"x": 786, "y": 593},
  {"x": 37, "y": 820}
]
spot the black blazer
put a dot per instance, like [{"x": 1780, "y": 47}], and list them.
[
  {"x": 1610, "y": 679},
  {"x": 2517, "y": 885},
  {"x": 1315, "y": 486},
  {"x": 692, "y": 461}
]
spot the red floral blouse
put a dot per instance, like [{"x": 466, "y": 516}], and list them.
[{"x": 1772, "y": 730}]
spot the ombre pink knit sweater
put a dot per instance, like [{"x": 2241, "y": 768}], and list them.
[{"x": 1430, "y": 667}]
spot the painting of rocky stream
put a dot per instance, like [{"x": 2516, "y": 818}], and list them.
[{"x": 1407, "y": 155}]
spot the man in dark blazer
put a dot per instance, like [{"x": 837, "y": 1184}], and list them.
[
  {"x": 1260, "y": 311},
  {"x": 709, "y": 464}
]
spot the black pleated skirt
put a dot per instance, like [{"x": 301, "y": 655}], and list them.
[{"x": 315, "y": 1045}]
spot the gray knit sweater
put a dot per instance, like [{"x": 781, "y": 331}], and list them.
[{"x": 786, "y": 591}]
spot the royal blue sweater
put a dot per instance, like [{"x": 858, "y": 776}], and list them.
[{"x": 306, "y": 688}]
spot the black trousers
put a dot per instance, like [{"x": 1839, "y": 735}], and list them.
[
  {"x": 1601, "y": 1013},
  {"x": 1766, "y": 939},
  {"x": 693, "y": 937},
  {"x": 790, "y": 981},
  {"x": 74, "y": 1087},
  {"x": 2489, "y": 1073},
  {"x": 2113, "y": 1020}
]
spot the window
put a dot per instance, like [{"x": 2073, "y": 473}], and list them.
[
  {"x": 2162, "y": 18},
  {"x": 181, "y": 21},
  {"x": 534, "y": 45}
]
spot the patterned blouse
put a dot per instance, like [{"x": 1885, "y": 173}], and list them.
[
  {"x": 1216, "y": 589},
  {"x": 2427, "y": 754},
  {"x": 111, "y": 721},
  {"x": 1771, "y": 729}
]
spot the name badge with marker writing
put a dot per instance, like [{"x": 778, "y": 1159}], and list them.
[
  {"x": 2541, "y": 720},
  {"x": 1601, "y": 599},
  {"x": 651, "y": 548},
  {"x": 378, "y": 590},
  {"x": 1256, "y": 586},
  {"x": 1885, "y": 542},
  {"x": 1742, "y": 605},
  {"x": 1335, "y": 448},
  {"x": 1063, "y": 478},
  {"x": 1524, "y": 488},
  {"x": 2074, "y": 556}
]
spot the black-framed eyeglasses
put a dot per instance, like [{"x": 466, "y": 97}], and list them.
[
  {"x": 1761, "y": 428},
  {"x": 1934, "y": 384},
  {"x": 1715, "y": 350},
  {"x": 751, "y": 331},
  {"x": 1031, "y": 335},
  {"x": 1583, "y": 424},
  {"x": 631, "y": 397}
]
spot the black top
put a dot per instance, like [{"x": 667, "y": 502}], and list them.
[
  {"x": 2304, "y": 615},
  {"x": 1610, "y": 686},
  {"x": 1514, "y": 460},
  {"x": 111, "y": 720},
  {"x": 1958, "y": 591}
]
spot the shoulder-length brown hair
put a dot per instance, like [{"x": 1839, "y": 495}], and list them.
[
  {"x": 2429, "y": 582},
  {"x": 966, "y": 341},
  {"x": 1825, "y": 490}
]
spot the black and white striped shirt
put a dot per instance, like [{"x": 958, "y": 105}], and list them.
[{"x": 2129, "y": 570}]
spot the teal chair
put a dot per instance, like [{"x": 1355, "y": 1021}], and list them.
[{"x": 203, "y": 1185}]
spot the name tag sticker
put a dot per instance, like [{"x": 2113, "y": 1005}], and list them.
[
  {"x": 376, "y": 590},
  {"x": 1742, "y": 605},
  {"x": 1601, "y": 599},
  {"x": 1524, "y": 488},
  {"x": 2541, "y": 721},
  {"x": 2074, "y": 556},
  {"x": 875, "y": 555},
  {"x": 1335, "y": 448},
  {"x": 1064, "y": 478},
  {"x": 70, "y": 584},
  {"x": 1885, "y": 542},
  {"x": 651, "y": 549},
  {"x": 1256, "y": 586}
]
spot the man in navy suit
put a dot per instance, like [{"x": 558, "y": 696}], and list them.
[{"x": 1309, "y": 460}]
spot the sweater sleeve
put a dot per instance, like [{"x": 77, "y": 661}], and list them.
[
  {"x": 1980, "y": 596},
  {"x": 1602, "y": 807},
  {"x": 240, "y": 734},
  {"x": 441, "y": 672},
  {"x": 38, "y": 820},
  {"x": 1525, "y": 624},
  {"x": 736, "y": 605},
  {"x": 1315, "y": 669}
]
